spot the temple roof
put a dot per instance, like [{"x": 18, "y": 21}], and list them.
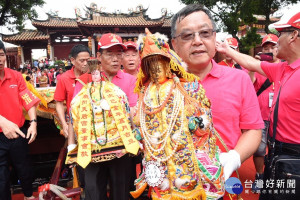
[
  {"x": 55, "y": 22},
  {"x": 137, "y": 18},
  {"x": 25, "y": 35},
  {"x": 126, "y": 21},
  {"x": 167, "y": 22}
]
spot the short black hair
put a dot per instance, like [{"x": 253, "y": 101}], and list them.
[
  {"x": 24, "y": 69},
  {"x": 187, "y": 10},
  {"x": 2, "y": 46},
  {"x": 78, "y": 49}
]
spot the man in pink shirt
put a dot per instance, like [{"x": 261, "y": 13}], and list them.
[
  {"x": 110, "y": 55},
  {"x": 118, "y": 171},
  {"x": 235, "y": 109},
  {"x": 131, "y": 59},
  {"x": 265, "y": 91},
  {"x": 285, "y": 76}
]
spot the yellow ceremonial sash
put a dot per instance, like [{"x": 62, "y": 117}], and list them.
[
  {"x": 84, "y": 132},
  {"x": 124, "y": 129}
]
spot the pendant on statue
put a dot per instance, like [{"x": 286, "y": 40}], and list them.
[
  {"x": 97, "y": 108},
  {"x": 154, "y": 173},
  {"x": 102, "y": 140},
  {"x": 104, "y": 104}
]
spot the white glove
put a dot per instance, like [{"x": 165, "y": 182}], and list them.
[
  {"x": 71, "y": 147},
  {"x": 231, "y": 161}
]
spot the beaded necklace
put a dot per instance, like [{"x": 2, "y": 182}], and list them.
[
  {"x": 160, "y": 106},
  {"x": 101, "y": 143},
  {"x": 178, "y": 105}
]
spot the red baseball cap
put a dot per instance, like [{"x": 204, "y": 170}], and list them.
[
  {"x": 108, "y": 40},
  {"x": 269, "y": 38},
  {"x": 233, "y": 43},
  {"x": 291, "y": 19},
  {"x": 131, "y": 44}
]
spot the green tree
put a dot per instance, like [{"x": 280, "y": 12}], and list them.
[
  {"x": 249, "y": 41},
  {"x": 269, "y": 7},
  {"x": 231, "y": 13},
  {"x": 15, "y": 12}
]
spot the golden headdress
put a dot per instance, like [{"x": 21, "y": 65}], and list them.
[{"x": 157, "y": 44}]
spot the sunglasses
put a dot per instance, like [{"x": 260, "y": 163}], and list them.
[{"x": 203, "y": 34}]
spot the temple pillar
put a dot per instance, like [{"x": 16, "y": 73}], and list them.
[{"x": 93, "y": 48}]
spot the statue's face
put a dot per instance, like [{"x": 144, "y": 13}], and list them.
[
  {"x": 157, "y": 71},
  {"x": 96, "y": 76}
]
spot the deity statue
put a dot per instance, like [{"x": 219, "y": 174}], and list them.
[
  {"x": 101, "y": 121},
  {"x": 174, "y": 127}
]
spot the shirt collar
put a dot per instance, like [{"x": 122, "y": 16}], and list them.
[
  {"x": 119, "y": 74},
  {"x": 7, "y": 73},
  {"x": 295, "y": 64},
  {"x": 216, "y": 71},
  {"x": 71, "y": 74}
]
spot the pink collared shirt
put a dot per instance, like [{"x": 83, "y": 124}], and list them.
[
  {"x": 287, "y": 77},
  {"x": 233, "y": 102},
  {"x": 127, "y": 83},
  {"x": 263, "y": 98}
]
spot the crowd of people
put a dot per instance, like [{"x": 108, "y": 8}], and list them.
[{"x": 189, "y": 121}]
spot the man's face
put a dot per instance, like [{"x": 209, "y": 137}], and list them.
[
  {"x": 131, "y": 60},
  {"x": 2, "y": 60},
  {"x": 283, "y": 44},
  {"x": 196, "y": 52},
  {"x": 80, "y": 62},
  {"x": 111, "y": 59},
  {"x": 270, "y": 48}
]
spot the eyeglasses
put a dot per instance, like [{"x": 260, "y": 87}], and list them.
[
  {"x": 203, "y": 34},
  {"x": 113, "y": 54},
  {"x": 285, "y": 31}
]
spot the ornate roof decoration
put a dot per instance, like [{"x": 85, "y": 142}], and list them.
[
  {"x": 135, "y": 18},
  {"x": 54, "y": 21},
  {"x": 25, "y": 35}
]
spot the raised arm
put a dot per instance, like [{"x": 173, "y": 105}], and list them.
[{"x": 244, "y": 60}]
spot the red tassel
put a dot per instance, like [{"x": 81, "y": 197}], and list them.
[{"x": 157, "y": 192}]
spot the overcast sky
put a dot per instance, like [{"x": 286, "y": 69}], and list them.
[{"x": 65, "y": 8}]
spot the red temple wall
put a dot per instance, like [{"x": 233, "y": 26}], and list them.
[{"x": 62, "y": 50}]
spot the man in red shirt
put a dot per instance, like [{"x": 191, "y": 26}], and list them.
[
  {"x": 14, "y": 136},
  {"x": 285, "y": 76},
  {"x": 265, "y": 91},
  {"x": 80, "y": 54}
]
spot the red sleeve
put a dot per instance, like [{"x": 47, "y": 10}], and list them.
[
  {"x": 28, "y": 99},
  {"x": 60, "y": 91}
]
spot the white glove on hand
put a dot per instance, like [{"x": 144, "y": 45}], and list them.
[
  {"x": 231, "y": 161},
  {"x": 71, "y": 147}
]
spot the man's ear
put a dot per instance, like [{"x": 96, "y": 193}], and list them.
[
  {"x": 174, "y": 45},
  {"x": 99, "y": 56},
  {"x": 72, "y": 60}
]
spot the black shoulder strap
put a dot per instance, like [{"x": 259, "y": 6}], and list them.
[
  {"x": 264, "y": 86},
  {"x": 275, "y": 119}
]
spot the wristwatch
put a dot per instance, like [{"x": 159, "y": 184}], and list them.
[{"x": 33, "y": 120}]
